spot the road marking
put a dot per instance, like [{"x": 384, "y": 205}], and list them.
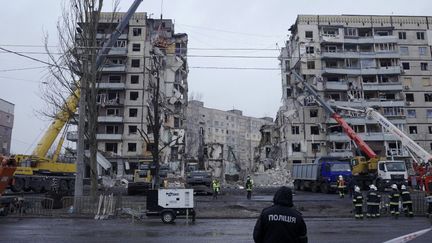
[{"x": 409, "y": 237}]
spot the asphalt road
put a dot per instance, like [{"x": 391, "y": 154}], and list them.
[{"x": 204, "y": 230}]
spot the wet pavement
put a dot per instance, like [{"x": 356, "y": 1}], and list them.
[{"x": 204, "y": 230}]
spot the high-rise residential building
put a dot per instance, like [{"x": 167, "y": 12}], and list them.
[
  {"x": 215, "y": 137},
  {"x": 6, "y": 125},
  {"x": 383, "y": 62},
  {"x": 147, "y": 48}
]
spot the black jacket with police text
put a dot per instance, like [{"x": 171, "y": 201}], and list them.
[{"x": 280, "y": 222}]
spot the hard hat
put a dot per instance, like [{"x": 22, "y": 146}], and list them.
[
  {"x": 340, "y": 176},
  {"x": 357, "y": 189},
  {"x": 374, "y": 187},
  {"x": 371, "y": 186},
  {"x": 394, "y": 186},
  {"x": 403, "y": 187}
]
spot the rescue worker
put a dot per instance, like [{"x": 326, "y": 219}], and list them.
[
  {"x": 377, "y": 202},
  {"x": 280, "y": 222},
  {"x": 249, "y": 186},
  {"x": 216, "y": 188},
  {"x": 372, "y": 202},
  {"x": 341, "y": 186},
  {"x": 406, "y": 202},
  {"x": 394, "y": 201},
  {"x": 358, "y": 203}
]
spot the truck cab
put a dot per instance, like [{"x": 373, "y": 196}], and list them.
[
  {"x": 391, "y": 172},
  {"x": 332, "y": 168}
]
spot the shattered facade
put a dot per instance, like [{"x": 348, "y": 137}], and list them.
[
  {"x": 222, "y": 141},
  {"x": 124, "y": 91},
  {"x": 382, "y": 62}
]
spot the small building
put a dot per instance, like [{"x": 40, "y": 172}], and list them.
[{"x": 6, "y": 125}]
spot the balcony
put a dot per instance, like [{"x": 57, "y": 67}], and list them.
[
  {"x": 111, "y": 86},
  {"x": 340, "y": 153},
  {"x": 336, "y": 85},
  {"x": 372, "y": 136},
  {"x": 360, "y": 55},
  {"x": 104, "y": 136},
  {"x": 110, "y": 119},
  {"x": 359, "y": 39},
  {"x": 363, "y": 71},
  {"x": 362, "y": 120},
  {"x": 118, "y": 51},
  {"x": 368, "y": 103},
  {"x": 117, "y": 68},
  {"x": 72, "y": 136},
  {"x": 107, "y": 36},
  {"x": 382, "y": 86}
]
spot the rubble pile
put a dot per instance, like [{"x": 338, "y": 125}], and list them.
[{"x": 273, "y": 177}]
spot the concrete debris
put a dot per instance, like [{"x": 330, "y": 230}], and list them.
[{"x": 273, "y": 177}]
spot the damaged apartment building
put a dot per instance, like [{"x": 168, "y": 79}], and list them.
[
  {"x": 383, "y": 62},
  {"x": 222, "y": 141},
  {"x": 125, "y": 91}
]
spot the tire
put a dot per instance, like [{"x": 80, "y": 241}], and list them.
[
  {"x": 297, "y": 185},
  {"x": 63, "y": 186},
  {"x": 71, "y": 185},
  {"x": 324, "y": 188},
  {"x": 168, "y": 217},
  {"x": 302, "y": 186},
  {"x": 37, "y": 186},
  {"x": 18, "y": 186},
  {"x": 315, "y": 187}
]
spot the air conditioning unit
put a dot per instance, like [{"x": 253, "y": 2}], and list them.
[{"x": 406, "y": 87}]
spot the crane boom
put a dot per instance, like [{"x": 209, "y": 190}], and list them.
[
  {"x": 70, "y": 107},
  {"x": 338, "y": 118}
]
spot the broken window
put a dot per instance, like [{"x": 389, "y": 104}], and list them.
[
  {"x": 296, "y": 147},
  {"x": 331, "y": 64},
  {"x": 295, "y": 130},
  {"x": 405, "y": 65},
  {"x": 331, "y": 32},
  {"x": 409, "y": 97},
  {"x": 411, "y": 113},
  {"x": 133, "y": 112},
  {"x": 309, "y": 34},
  {"x": 358, "y": 128},
  {"x": 311, "y": 65},
  {"x": 134, "y": 79},
  {"x": 111, "y": 147},
  {"x": 112, "y": 129},
  {"x": 174, "y": 153},
  {"x": 133, "y": 129},
  {"x": 428, "y": 97},
  {"x": 297, "y": 161},
  {"x": 133, "y": 95},
  {"x": 114, "y": 79},
  {"x": 330, "y": 48},
  {"x": 402, "y": 35},
  {"x": 424, "y": 66},
  {"x": 313, "y": 113},
  {"x": 412, "y": 129},
  {"x": 176, "y": 122},
  {"x": 132, "y": 147},
  {"x": 136, "y": 47},
  {"x": 430, "y": 129},
  {"x": 310, "y": 49},
  {"x": 420, "y": 35},
  {"x": 351, "y": 32},
  {"x": 135, "y": 62},
  {"x": 136, "y": 31},
  {"x": 316, "y": 147},
  {"x": 288, "y": 92},
  {"x": 112, "y": 112},
  {"x": 314, "y": 130}
]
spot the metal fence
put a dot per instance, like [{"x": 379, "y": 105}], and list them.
[{"x": 32, "y": 206}]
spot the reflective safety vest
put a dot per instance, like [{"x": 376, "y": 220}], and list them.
[
  {"x": 341, "y": 183},
  {"x": 249, "y": 185}
]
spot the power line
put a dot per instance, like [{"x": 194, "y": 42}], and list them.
[
  {"x": 21, "y": 69},
  {"x": 31, "y": 58},
  {"x": 19, "y": 79},
  {"x": 236, "y": 68},
  {"x": 226, "y": 31}
]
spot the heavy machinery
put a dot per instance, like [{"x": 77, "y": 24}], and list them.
[
  {"x": 36, "y": 171},
  {"x": 365, "y": 171},
  {"x": 7, "y": 169}
]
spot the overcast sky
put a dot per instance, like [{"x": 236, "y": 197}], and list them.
[{"x": 254, "y": 24}]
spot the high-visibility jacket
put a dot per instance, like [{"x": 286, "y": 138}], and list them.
[
  {"x": 216, "y": 186},
  {"x": 406, "y": 197},
  {"x": 394, "y": 197},
  {"x": 358, "y": 199},
  {"x": 341, "y": 183},
  {"x": 373, "y": 198},
  {"x": 249, "y": 184}
]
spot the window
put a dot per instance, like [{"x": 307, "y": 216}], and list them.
[
  {"x": 316, "y": 147},
  {"x": 422, "y": 51},
  {"x": 136, "y": 47},
  {"x": 313, "y": 113},
  {"x": 136, "y": 31},
  {"x": 314, "y": 130},
  {"x": 430, "y": 129},
  {"x": 350, "y": 32},
  {"x": 133, "y": 95},
  {"x": 310, "y": 49},
  {"x": 429, "y": 113},
  {"x": 309, "y": 34},
  {"x": 295, "y": 130},
  {"x": 133, "y": 112},
  {"x": 420, "y": 36},
  {"x": 110, "y": 129},
  {"x": 413, "y": 129},
  {"x": 176, "y": 122},
  {"x": 134, "y": 79},
  {"x": 133, "y": 129},
  {"x": 114, "y": 79},
  {"x": 311, "y": 65},
  {"x": 112, "y": 112},
  {"x": 404, "y": 50},
  {"x": 405, "y": 65},
  {"x": 411, "y": 113},
  {"x": 111, "y": 147},
  {"x": 428, "y": 97},
  {"x": 402, "y": 35},
  {"x": 135, "y": 63},
  {"x": 288, "y": 92},
  {"x": 409, "y": 97},
  {"x": 296, "y": 147},
  {"x": 426, "y": 81},
  {"x": 131, "y": 147},
  {"x": 424, "y": 66}
]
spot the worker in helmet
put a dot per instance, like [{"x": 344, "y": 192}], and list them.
[
  {"x": 249, "y": 186},
  {"x": 406, "y": 202},
  {"x": 394, "y": 201},
  {"x": 341, "y": 186},
  {"x": 216, "y": 188},
  {"x": 358, "y": 203},
  {"x": 372, "y": 202}
]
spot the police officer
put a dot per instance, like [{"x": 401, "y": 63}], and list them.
[
  {"x": 249, "y": 186},
  {"x": 358, "y": 202},
  {"x": 406, "y": 202},
  {"x": 216, "y": 188},
  {"x": 372, "y": 202},
  {"x": 280, "y": 222},
  {"x": 341, "y": 186},
  {"x": 394, "y": 197}
]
